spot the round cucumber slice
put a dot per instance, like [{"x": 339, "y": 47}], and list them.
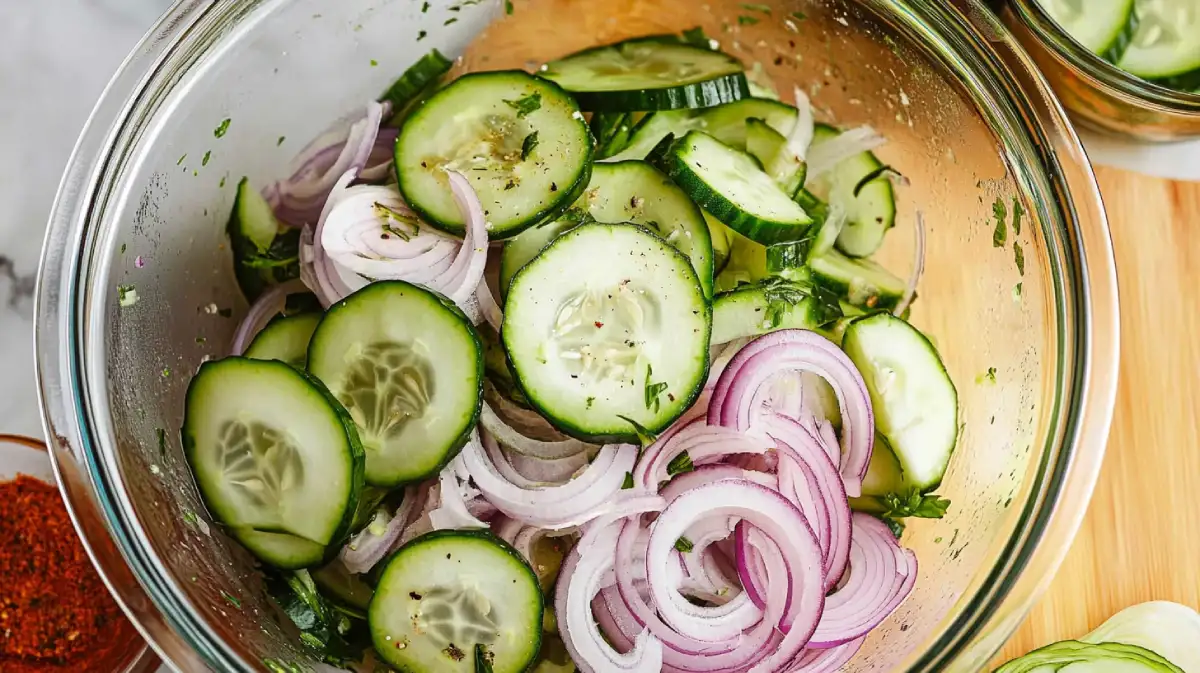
[
  {"x": 1104, "y": 27},
  {"x": 285, "y": 339},
  {"x": 653, "y": 73},
  {"x": 520, "y": 140},
  {"x": 408, "y": 366},
  {"x": 277, "y": 459},
  {"x": 608, "y": 325},
  {"x": 448, "y": 595},
  {"x": 1166, "y": 45}
]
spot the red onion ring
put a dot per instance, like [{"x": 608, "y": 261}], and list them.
[
  {"x": 488, "y": 306},
  {"x": 263, "y": 310},
  {"x": 382, "y": 159},
  {"x": 801, "y": 136},
  {"x": 506, "y": 435},
  {"x": 700, "y": 441},
  {"x": 453, "y": 512},
  {"x": 882, "y": 574},
  {"x": 364, "y": 550},
  {"x": 826, "y": 661},
  {"x": 751, "y": 370},
  {"x": 910, "y": 290}
]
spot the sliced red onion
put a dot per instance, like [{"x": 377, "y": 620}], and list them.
[
  {"x": 523, "y": 421},
  {"x": 467, "y": 272},
  {"x": 506, "y": 435},
  {"x": 345, "y": 147},
  {"x": 380, "y": 162},
  {"x": 882, "y": 575},
  {"x": 746, "y": 381},
  {"x": 453, "y": 512},
  {"x": 270, "y": 304},
  {"x": 802, "y": 134},
  {"x": 488, "y": 306},
  {"x": 910, "y": 290},
  {"x": 374, "y": 542},
  {"x": 752, "y": 570},
  {"x": 779, "y": 520},
  {"x": 428, "y": 499},
  {"x": 548, "y": 472},
  {"x": 324, "y": 278},
  {"x": 824, "y": 156},
  {"x": 578, "y": 586},
  {"x": 701, "y": 442},
  {"x": 707, "y": 474},
  {"x": 556, "y": 507},
  {"x": 619, "y": 631},
  {"x": 826, "y": 661}
]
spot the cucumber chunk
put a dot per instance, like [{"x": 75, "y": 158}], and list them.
[
  {"x": 482, "y": 125},
  {"x": 915, "y": 402},
  {"x": 654, "y": 73},
  {"x": 726, "y": 123},
  {"x": 415, "y": 81},
  {"x": 275, "y": 456},
  {"x": 727, "y": 183},
  {"x": 519, "y": 251},
  {"x": 770, "y": 148},
  {"x": 608, "y": 324},
  {"x": 871, "y": 212},
  {"x": 861, "y": 282},
  {"x": 769, "y": 306},
  {"x": 286, "y": 339},
  {"x": 408, "y": 366},
  {"x": 264, "y": 253},
  {"x": 447, "y": 592}
]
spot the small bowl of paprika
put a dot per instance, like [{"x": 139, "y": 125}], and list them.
[{"x": 56, "y": 614}]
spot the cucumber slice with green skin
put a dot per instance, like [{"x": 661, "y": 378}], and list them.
[
  {"x": 770, "y": 148},
  {"x": 860, "y": 282},
  {"x": 519, "y": 251},
  {"x": 635, "y": 191},
  {"x": 726, "y": 123},
  {"x": 747, "y": 260},
  {"x": 767, "y": 307},
  {"x": 884, "y": 476},
  {"x": 343, "y": 586},
  {"x": 608, "y": 324},
  {"x": 870, "y": 212},
  {"x": 446, "y": 592},
  {"x": 264, "y": 254},
  {"x": 728, "y": 184},
  {"x": 520, "y": 140},
  {"x": 915, "y": 402},
  {"x": 1165, "y": 46},
  {"x": 285, "y": 339},
  {"x": 408, "y": 366},
  {"x": 1104, "y": 27},
  {"x": 417, "y": 79},
  {"x": 648, "y": 74},
  {"x": 722, "y": 242},
  {"x": 277, "y": 459}
]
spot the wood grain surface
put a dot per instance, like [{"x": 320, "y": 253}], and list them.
[{"x": 1141, "y": 538}]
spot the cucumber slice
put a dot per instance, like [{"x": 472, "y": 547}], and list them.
[
  {"x": 343, "y": 586},
  {"x": 861, "y": 282},
  {"x": 653, "y": 73},
  {"x": 275, "y": 456},
  {"x": 635, "y": 191},
  {"x": 416, "y": 80},
  {"x": 519, "y": 251},
  {"x": 770, "y": 148},
  {"x": 766, "y": 307},
  {"x": 726, "y": 123},
  {"x": 264, "y": 253},
  {"x": 1166, "y": 44},
  {"x": 871, "y": 212},
  {"x": 884, "y": 474},
  {"x": 448, "y": 591},
  {"x": 722, "y": 242},
  {"x": 747, "y": 260},
  {"x": 1104, "y": 27},
  {"x": 915, "y": 402},
  {"x": 608, "y": 324},
  {"x": 482, "y": 125},
  {"x": 728, "y": 184},
  {"x": 285, "y": 339},
  {"x": 408, "y": 366}
]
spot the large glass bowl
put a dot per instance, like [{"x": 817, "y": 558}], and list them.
[{"x": 970, "y": 123}]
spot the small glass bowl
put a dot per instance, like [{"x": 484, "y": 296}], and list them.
[
  {"x": 27, "y": 456},
  {"x": 1098, "y": 94}
]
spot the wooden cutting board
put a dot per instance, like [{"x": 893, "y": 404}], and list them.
[{"x": 1141, "y": 538}]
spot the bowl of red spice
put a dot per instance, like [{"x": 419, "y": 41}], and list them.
[{"x": 56, "y": 614}]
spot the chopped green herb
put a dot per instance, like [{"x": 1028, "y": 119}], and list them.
[
  {"x": 1020, "y": 257},
  {"x": 590, "y": 402},
  {"x": 937, "y": 540},
  {"x": 527, "y": 104},
  {"x": 201, "y": 340},
  {"x": 747, "y": 20},
  {"x": 680, "y": 464},
  {"x": 231, "y": 600},
  {"x": 166, "y": 372},
  {"x": 781, "y": 296},
  {"x": 222, "y": 182},
  {"x": 374, "y": 63},
  {"x": 126, "y": 296},
  {"x": 989, "y": 376},
  {"x": 799, "y": 16},
  {"x": 530, "y": 144},
  {"x": 628, "y": 483},
  {"x": 1000, "y": 235},
  {"x": 422, "y": 35},
  {"x": 873, "y": 176},
  {"x": 162, "y": 441},
  {"x": 644, "y": 436},
  {"x": 756, "y": 8},
  {"x": 180, "y": 162},
  {"x": 684, "y": 545},
  {"x": 1018, "y": 211},
  {"x": 1017, "y": 290},
  {"x": 190, "y": 518},
  {"x": 195, "y": 173},
  {"x": 653, "y": 390},
  {"x": 225, "y": 313},
  {"x": 222, "y": 129},
  {"x": 425, "y": 8},
  {"x": 894, "y": 525},
  {"x": 451, "y": 20},
  {"x": 697, "y": 38},
  {"x": 123, "y": 248},
  {"x": 508, "y": 7},
  {"x": 280, "y": 141},
  {"x": 207, "y": 156}
]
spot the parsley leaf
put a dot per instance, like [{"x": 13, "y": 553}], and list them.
[
  {"x": 680, "y": 464},
  {"x": 1019, "y": 253},
  {"x": 1000, "y": 235},
  {"x": 684, "y": 545},
  {"x": 781, "y": 296},
  {"x": 697, "y": 38},
  {"x": 747, "y": 20},
  {"x": 530, "y": 144},
  {"x": 756, "y": 7},
  {"x": 231, "y": 600},
  {"x": 628, "y": 483},
  {"x": 1018, "y": 211},
  {"x": 222, "y": 129},
  {"x": 653, "y": 390},
  {"x": 162, "y": 441},
  {"x": 644, "y": 436},
  {"x": 916, "y": 505},
  {"x": 527, "y": 104},
  {"x": 508, "y": 7}
]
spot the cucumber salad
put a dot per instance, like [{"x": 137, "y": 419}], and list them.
[
  {"x": 1156, "y": 40},
  {"x": 586, "y": 369}
]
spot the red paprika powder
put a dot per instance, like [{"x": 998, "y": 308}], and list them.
[{"x": 55, "y": 612}]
